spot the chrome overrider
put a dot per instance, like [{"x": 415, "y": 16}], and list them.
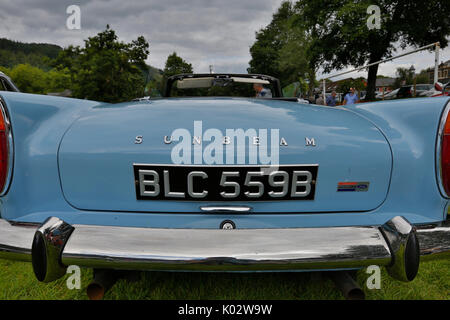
[
  {"x": 48, "y": 244},
  {"x": 56, "y": 245}
]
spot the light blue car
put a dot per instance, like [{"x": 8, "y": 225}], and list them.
[{"x": 223, "y": 182}]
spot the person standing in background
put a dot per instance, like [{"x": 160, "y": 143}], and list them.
[
  {"x": 351, "y": 98},
  {"x": 331, "y": 100},
  {"x": 319, "y": 100}
]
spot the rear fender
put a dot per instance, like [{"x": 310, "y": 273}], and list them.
[
  {"x": 411, "y": 127},
  {"x": 38, "y": 124}
]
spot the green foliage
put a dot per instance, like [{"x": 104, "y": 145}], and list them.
[
  {"x": 106, "y": 69},
  {"x": 5, "y": 70},
  {"x": 280, "y": 49},
  {"x": 31, "y": 79},
  {"x": 153, "y": 88},
  {"x": 341, "y": 37},
  {"x": 39, "y": 55},
  {"x": 154, "y": 82},
  {"x": 423, "y": 77},
  {"x": 304, "y": 86},
  {"x": 265, "y": 51},
  {"x": 296, "y": 89},
  {"x": 58, "y": 80},
  {"x": 28, "y": 78},
  {"x": 404, "y": 76},
  {"x": 292, "y": 90},
  {"x": 176, "y": 65}
]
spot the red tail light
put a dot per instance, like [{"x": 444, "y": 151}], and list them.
[
  {"x": 5, "y": 152},
  {"x": 444, "y": 156}
]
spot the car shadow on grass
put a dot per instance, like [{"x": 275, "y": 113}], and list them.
[{"x": 226, "y": 286}]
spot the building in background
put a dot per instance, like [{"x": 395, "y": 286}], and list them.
[
  {"x": 443, "y": 72},
  {"x": 384, "y": 85}
]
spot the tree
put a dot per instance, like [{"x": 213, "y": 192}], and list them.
[
  {"x": 423, "y": 77},
  {"x": 106, "y": 69},
  {"x": 29, "y": 79},
  {"x": 280, "y": 49},
  {"x": 342, "y": 38},
  {"x": 404, "y": 76},
  {"x": 176, "y": 65},
  {"x": 265, "y": 50}
]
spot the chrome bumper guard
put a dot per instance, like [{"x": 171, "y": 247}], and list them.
[{"x": 56, "y": 245}]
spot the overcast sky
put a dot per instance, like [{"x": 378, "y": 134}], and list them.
[{"x": 204, "y": 32}]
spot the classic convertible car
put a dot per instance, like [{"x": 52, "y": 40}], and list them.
[{"x": 216, "y": 176}]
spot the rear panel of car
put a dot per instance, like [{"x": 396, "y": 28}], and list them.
[{"x": 347, "y": 150}]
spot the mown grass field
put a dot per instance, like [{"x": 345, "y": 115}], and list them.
[{"x": 17, "y": 281}]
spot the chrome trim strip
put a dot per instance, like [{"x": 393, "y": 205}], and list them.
[
  {"x": 8, "y": 131},
  {"x": 226, "y": 209},
  {"x": 439, "y": 138}
]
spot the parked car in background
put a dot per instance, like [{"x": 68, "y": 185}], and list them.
[
  {"x": 389, "y": 95},
  {"x": 301, "y": 100},
  {"x": 404, "y": 92},
  {"x": 438, "y": 90},
  {"x": 421, "y": 88},
  {"x": 6, "y": 84},
  {"x": 184, "y": 182},
  {"x": 362, "y": 95},
  {"x": 408, "y": 90},
  {"x": 381, "y": 94}
]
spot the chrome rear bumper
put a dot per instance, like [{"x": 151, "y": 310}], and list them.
[{"x": 57, "y": 244}]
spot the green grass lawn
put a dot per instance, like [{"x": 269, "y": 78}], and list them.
[{"x": 17, "y": 281}]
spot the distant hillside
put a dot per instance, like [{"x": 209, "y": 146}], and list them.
[
  {"x": 36, "y": 54},
  {"x": 45, "y": 49},
  {"x": 155, "y": 73}
]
